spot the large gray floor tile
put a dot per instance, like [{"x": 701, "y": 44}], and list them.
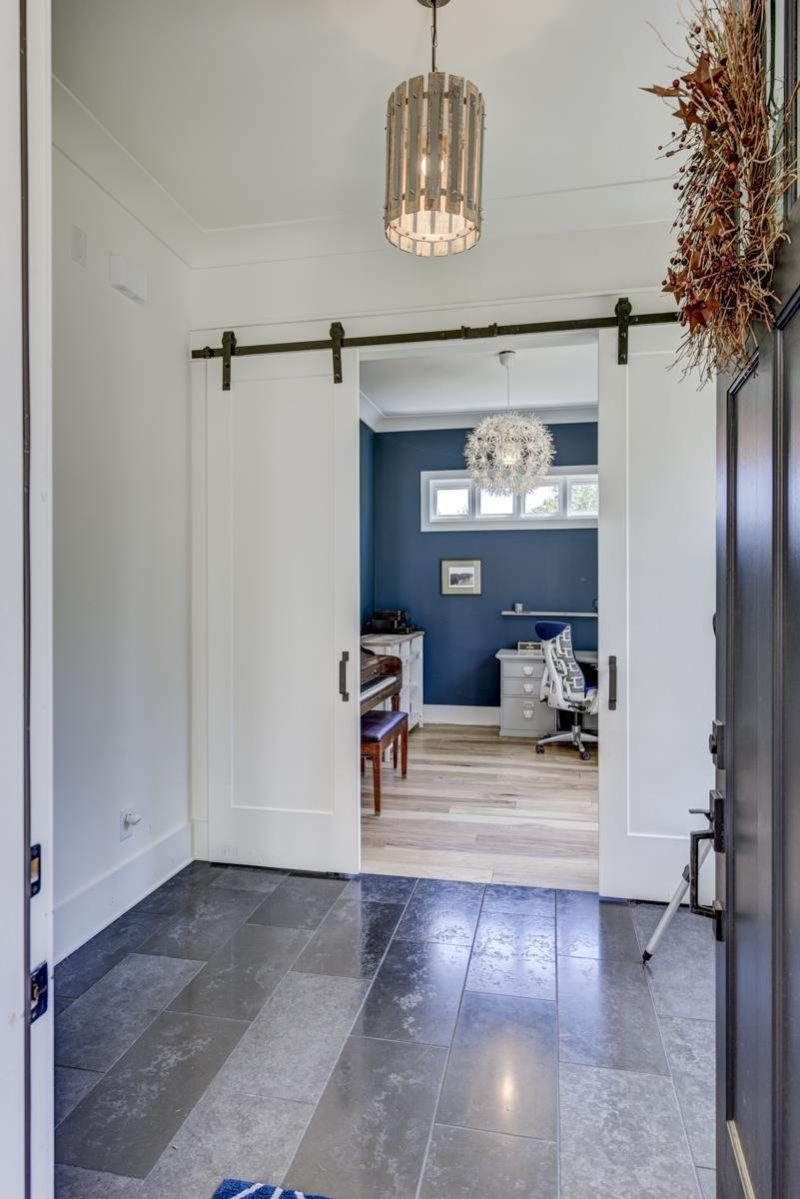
[
  {"x": 86, "y": 965},
  {"x": 708, "y": 1183},
  {"x": 299, "y": 902},
  {"x": 291, "y": 1048},
  {"x": 446, "y": 912},
  {"x": 351, "y": 940},
  {"x": 227, "y": 1135},
  {"x": 73, "y": 1183},
  {"x": 514, "y": 954},
  {"x": 692, "y": 1059},
  {"x": 380, "y": 888},
  {"x": 237, "y": 981},
  {"x": 416, "y": 993},
  {"x": 174, "y": 896},
  {"x": 522, "y": 901},
  {"x": 126, "y": 1122},
  {"x": 502, "y": 1072},
  {"x": 369, "y": 1134},
  {"x": 606, "y": 1016},
  {"x": 250, "y": 878},
  {"x": 621, "y": 1137},
  {"x": 467, "y": 1164},
  {"x": 590, "y": 928},
  {"x": 103, "y": 1023},
  {"x": 682, "y": 970},
  {"x": 71, "y": 1086},
  {"x": 211, "y": 918}
]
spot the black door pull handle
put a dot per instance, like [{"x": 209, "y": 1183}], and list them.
[
  {"x": 345, "y": 658},
  {"x": 612, "y": 682}
]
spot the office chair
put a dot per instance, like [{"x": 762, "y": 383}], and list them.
[{"x": 564, "y": 687}]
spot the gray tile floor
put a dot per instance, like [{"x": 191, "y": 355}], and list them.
[{"x": 385, "y": 1038}]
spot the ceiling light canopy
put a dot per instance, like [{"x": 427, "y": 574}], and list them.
[
  {"x": 507, "y": 454},
  {"x": 434, "y": 160}
]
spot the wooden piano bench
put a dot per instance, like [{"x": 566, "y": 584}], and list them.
[{"x": 379, "y": 732}]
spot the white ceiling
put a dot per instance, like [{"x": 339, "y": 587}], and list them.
[
  {"x": 556, "y": 375},
  {"x": 252, "y": 112}
]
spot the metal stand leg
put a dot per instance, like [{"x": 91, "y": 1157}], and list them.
[{"x": 673, "y": 905}]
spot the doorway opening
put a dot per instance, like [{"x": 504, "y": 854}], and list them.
[{"x": 457, "y": 585}]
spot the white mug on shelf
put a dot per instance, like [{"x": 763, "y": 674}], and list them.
[{"x": 518, "y": 607}]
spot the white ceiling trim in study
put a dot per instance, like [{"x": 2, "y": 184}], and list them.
[{"x": 457, "y": 386}]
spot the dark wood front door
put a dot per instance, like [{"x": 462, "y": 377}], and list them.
[{"x": 758, "y": 765}]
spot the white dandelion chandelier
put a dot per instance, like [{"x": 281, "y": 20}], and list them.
[{"x": 507, "y": 454}]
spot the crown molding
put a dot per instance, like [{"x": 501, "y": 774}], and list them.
[{"x": 93, "y": 149}]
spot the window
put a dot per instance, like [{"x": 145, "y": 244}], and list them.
[
  {"x": 450, "y": 500},
  {"x": 495, "y": 505},
  {"x": 568, "y": 497},
  {"x": 543, "y": 501},
  {"x": 583, "y": 497}
]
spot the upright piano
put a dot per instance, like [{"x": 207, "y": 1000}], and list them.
[{"x": 381, "y": 679}]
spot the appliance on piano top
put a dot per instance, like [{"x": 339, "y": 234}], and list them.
[{"x": 389, "y": 620}]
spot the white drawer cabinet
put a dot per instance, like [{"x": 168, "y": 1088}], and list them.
[
  {"x": 522, "y": 714},
  {"x": 408, "y": 647}
]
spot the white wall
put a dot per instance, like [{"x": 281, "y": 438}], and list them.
[{"x": 121, "y": 500}]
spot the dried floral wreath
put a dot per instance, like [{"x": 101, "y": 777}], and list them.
[{"x": 730, "y": 185}]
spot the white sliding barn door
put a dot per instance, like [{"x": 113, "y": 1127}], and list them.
[
  {"x": 657, "y": 462},
  {"x": 275, "y": 605}
]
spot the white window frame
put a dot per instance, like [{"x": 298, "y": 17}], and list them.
[{"x": 565, "y": 475}]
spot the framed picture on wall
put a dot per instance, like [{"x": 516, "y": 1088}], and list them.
[{"x": 461, "y": 576}]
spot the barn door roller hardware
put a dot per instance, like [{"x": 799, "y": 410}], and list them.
[{"x": 622, "y": 320}]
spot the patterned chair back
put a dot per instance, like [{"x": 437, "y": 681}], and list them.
[{"x": 564, "y": 682}]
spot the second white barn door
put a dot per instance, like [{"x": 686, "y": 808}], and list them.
[
  {"x": 275, "y": 608},
  {"x": 657, "y": 590}
]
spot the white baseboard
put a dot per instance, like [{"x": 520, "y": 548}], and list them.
[
  {"x": 460, "y": 714},
  {"x": 90, "y": 909},
  {"x": 200, "y": 840}
]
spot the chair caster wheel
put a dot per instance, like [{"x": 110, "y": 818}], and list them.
[
  {"x": 585, "y": 755},
  {"x": 540, "y": 749}
]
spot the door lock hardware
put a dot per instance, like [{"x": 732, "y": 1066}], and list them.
[
  {"x": 716, "y": 743},
  {"x": 715, "y": 815},
  {"x": 39, "y": 991}
]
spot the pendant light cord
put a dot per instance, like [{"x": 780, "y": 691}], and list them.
[{"x": 434, "y": 38}]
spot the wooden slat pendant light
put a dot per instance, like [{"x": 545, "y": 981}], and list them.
[{"x": 434, "y": 161}]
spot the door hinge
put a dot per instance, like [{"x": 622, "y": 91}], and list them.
[
  {"x": 36, "y": 870},
  {"x": 39, "y": 990}
]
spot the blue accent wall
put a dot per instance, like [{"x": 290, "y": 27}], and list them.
[
  {"x": 547, "y": 568},
  {"x": 367, "y": 543}
]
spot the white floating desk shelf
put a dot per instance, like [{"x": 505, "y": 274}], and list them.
[{"x": 530, "y": 612}]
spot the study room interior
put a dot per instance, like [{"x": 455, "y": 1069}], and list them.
[{"x": 458, "y": 587}]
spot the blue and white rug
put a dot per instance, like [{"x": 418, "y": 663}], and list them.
[{"x": 234, "y": 1188}]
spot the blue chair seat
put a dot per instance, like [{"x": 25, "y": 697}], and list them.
[{"x": 375, "y": 726}]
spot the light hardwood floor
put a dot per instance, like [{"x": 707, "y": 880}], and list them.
[{"x": 483, "y": 808}]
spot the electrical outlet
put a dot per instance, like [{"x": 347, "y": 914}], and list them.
[{"x": 128, "y": 819}]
